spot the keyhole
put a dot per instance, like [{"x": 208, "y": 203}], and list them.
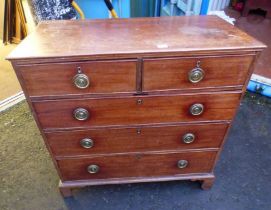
[
  {"x": 139, "y": 101},
  {"x": 79, "y": 71},
  {"x": 198, "y": 64}
]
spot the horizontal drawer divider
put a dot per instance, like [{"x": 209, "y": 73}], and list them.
[
  {"x": 143, "y": 93},
  {"x": 80, "y": 96},
  {"x": 126, "y": 57},
  {"x": 141, "y": 153},
  {"x": 139, "y": 125},
  {"x": 195, "y": 90},
  {"x": 145, "y": 55},
  {"x": 163, "y": 94},
  {"x": 50, "y": 130},
  {"x": 82, "y": 183}
]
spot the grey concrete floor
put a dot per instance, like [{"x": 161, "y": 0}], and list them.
[{"x": 29, "y": 181}]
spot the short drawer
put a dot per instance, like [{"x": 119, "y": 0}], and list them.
[
  {"x": 136, "y": 165},
  {"x": 150, "y": 138},
  {"x": 136, "y": 110},
  {"x": 94, "y": 77},
  {"x": 195, "y": 72}
]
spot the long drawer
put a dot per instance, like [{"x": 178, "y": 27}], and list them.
[
  {"x": 88, "y": 112},
  {"x": 136, "y": 165},
  {"x": 140, "y": 139},
  {"x": 195, "y": 72},
  {"x": 80, "y": 78}
]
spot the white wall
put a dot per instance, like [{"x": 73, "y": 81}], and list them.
[{"x": 216, "y": 5}]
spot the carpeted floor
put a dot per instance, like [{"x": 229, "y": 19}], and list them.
[{"x": 29, "y": 180}]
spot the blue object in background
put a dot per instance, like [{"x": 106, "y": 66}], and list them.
[
  {"x": 157, "y": 8},
  {"x": 260, "y": 88},
  {"x": 180, "y": 7},
  {"x": 96, "y": 9},
  {"x": 122, "y": 7},
  {"x": 204, "y": 7}
]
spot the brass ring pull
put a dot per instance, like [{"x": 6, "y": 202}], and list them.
[
  {"x": 182, "y": 164},
  {"x": 81, "y": 114},
  {"x": 93, "y": 169},
  {"x": 87, "y": 143},
  {"x": 188, "y": 138},
  {"x": 80, "y": 80},
  {"x": 196, "y": 109},
  {"x": 196, "y": 74}
]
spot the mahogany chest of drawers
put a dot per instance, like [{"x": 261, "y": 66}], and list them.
[{"x": 135, "y": 100}]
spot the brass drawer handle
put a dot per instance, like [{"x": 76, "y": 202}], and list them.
[
  {"x": 196, "y": 74},
  {"x": 87, "y": 143},
  {"x": 188, "y": 138},
  {"x": 81, "y": 114},
  {"x": 81, "y": 80},
  {"x": 182, "y": 164},
  {"x": 196, "y": 109},
  {"x": 93, "y": 169}
]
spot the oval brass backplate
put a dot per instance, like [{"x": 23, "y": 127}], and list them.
[
  {"x": 188, "y": 138},
  {"x": 87, "y": 143},
  {"x": 93, "y": 169},
  {"x": 182, "y": 164},
  {"x": 81, "y": 114},
  {"x": 196, "y": 109},
  {"x": 196, "y": 75}
]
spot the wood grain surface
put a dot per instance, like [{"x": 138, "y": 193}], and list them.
[
  {"x": 104, "y": 76},
  {"x": 136, "y": 165},
  {"x": 58, "y": 114},
  {"x": 172, "y": 73},
  {"x": 138, "y": 139},
  {"x": 88, "y": 39}
]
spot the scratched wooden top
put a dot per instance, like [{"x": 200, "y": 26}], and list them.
[{"x": 124, "y": 38}]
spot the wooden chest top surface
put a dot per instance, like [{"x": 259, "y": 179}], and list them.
[{"x": 116, "y": 38}]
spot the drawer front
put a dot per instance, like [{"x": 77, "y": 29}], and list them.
[
  {"x": 120, "y": 140},
  {"x": 135, "y": 110},
  {"x": 173, "y": 73},
  {"x": 60, "y": 79},
  {"x": 136, "y": 165}
]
